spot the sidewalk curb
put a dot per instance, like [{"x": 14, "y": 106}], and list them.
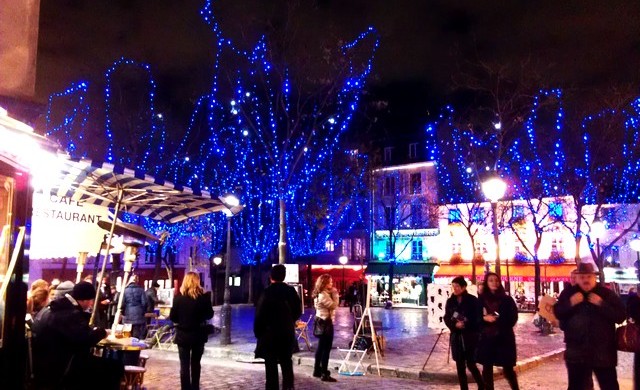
[{"x": 230, "y": 353}]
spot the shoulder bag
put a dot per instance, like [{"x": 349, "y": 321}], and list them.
[
  {"x": 321, "y": 327},
  {"x": 628, "y": 337}
]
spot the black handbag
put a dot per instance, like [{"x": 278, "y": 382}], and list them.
[{"x": 321, "y": 327}]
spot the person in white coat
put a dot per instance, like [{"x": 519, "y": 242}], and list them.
[{"x": 326, "y": 300}]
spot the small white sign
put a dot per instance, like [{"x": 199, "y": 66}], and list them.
[{"x": 293, "y": 273}]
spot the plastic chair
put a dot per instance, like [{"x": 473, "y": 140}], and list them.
[{"x": 302, "y": 331}]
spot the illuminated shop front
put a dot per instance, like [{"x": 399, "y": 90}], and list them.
[{"x": 409, "y": 282}]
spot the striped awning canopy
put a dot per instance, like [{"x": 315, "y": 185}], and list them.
[{"x": 87, "y": 182}]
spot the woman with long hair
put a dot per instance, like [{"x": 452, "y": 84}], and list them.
[
  {"x": 190, "y": 311},
  {"x": 326, "y": 300},
  {"x": 497, "y": 345}
]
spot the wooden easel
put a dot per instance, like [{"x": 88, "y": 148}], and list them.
[{"x": 345, "y": 368}]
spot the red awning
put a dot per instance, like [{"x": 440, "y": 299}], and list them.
[{"x": 517, "y": 273}]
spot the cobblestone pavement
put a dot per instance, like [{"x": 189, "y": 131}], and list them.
[
  {"x": 409, "y": 340},
  {"x": 163, "y": 373}
]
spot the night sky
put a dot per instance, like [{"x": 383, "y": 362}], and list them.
[{"x": 585, "y": 44}]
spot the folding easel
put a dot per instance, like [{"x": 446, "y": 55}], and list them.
[{"x": 345, "y": 367}]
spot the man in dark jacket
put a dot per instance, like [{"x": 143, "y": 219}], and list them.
[
  {"x": 134, "y": 305},
  {"x": 62, "y": 344},
  {"x": 463, "y": 316},
  {"x": 278, "y": 309},
  {"x": 589, "y": 312},
  {"x": 152, "y": 297}
]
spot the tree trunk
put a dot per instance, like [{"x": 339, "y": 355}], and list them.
[
  {"x": 250, "y": 300},
  {"x": 390, "y": 291},
  {"x": 473, "y": 259},
  {"x": 536, "y": 270},
  {"x": 282, "y": 244},
  {"x": 158, "y": 260},
  {"x": 578, "y": 233},
  {"x": 536, "y": 279}
]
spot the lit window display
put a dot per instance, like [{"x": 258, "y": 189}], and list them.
[{"x": 408, "y": 291}]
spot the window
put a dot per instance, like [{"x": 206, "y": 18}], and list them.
[
  {"x": 413, "y": 149},
  {"x": 478, "y": 215},
  {"x": 416, "y": 215},
  {"x": 555, "y": 211},
  {"x": 480, "y": 248},
  {"x": 416, "y": 183},
  {"x": 358, "y": 248},
  {"x": 416, "y": 250},
  {"x": 389, "y": 187},
  {"x": 388, "y": 216},
  {"x": 610, "y": 215},
  {"x": 455, "y": 216},
  {"x": 557, "y": 245},
  {"x": 387, "y": 154},
  {"x": 517, "y": 213},
  {"x": 456, "y": 248},
  {"x": 346, "y": 247},
  {"x": 403, "y": 185},
  {"x": 329, "y": 246}
]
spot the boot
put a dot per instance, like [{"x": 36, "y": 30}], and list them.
[{"x": 326, "y": 377}]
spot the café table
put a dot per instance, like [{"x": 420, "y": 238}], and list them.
[{"x": 126, "y": 350}]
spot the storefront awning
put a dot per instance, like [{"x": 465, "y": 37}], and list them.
[
  {"x": 517, "y": 273},
  {"x": 400, "y": 268}
]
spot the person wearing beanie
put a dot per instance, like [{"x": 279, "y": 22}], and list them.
[
  {"x": 61, "y": 289},
  {"x": 62, "y": 344}
]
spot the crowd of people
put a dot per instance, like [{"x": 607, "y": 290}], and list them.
[
  {"x": 63, "y": 335},
  {"x": 482, "y": 330}
]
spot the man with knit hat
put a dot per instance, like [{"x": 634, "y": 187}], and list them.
[{"x": 63, "y": 341}]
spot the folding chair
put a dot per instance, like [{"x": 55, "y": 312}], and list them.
[
  {"x": 162, "y": 337},
  {"x": 302, "y": 331}
]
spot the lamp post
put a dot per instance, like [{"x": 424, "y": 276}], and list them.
[
  {"x": 343, "y": 260},
  {"x": 217, "y": 260},
  {"x": 598, "y": 229},
  {"x": 494, "y": 190},
  {"x": 233, "y": 207}
]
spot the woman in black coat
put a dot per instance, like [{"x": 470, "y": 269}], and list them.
[
  {"x": 463, "y": 316},
  {"x": 497, "y": 346},
  {"x": 190, "y": 311}
]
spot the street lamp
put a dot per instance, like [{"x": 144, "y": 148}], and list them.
[
  {"x": 215, "y": 262},
  {"x": 494, "y": 190},
  {"x": 233, "y": 207},
  {"x": 598, "y": 229},
  {"x": 343, "y": 260}
]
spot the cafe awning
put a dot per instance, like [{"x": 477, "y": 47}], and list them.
[
  {"x": 80, "y": 193},
  {"x": 517, "y": 272},
  {"x": 400, "y": 268},
  {"x": 88, "y": 182}
]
